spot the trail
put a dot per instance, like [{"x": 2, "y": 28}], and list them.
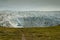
[{"x": 23, "y": 37}]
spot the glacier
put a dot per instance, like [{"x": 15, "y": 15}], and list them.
[{"x": 21, "y": 19}]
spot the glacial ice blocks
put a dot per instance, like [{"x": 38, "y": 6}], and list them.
[{"x": 29, "y": 18}]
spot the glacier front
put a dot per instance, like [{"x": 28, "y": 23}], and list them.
[{"x": 21, "y": 19}]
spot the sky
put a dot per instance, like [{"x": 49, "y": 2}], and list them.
[{"x": 30, "y": 5}]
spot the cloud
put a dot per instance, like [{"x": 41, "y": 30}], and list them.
[{"x": 30, "y": 4}]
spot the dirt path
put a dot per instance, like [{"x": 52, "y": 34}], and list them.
[{"x": 23, "y": 37}]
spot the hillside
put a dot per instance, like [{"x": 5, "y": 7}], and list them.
[{"x": 42, "y": 33}]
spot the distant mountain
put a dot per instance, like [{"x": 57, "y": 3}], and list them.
[{"x": 29, "y": 18}]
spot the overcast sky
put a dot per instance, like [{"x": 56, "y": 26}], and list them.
[{"x": 36, "y": 5}]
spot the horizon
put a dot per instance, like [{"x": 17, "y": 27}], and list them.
[{"x": 28, "y": 10}]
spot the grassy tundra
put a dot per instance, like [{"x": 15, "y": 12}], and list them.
[{"x": 45, "y": 33}]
